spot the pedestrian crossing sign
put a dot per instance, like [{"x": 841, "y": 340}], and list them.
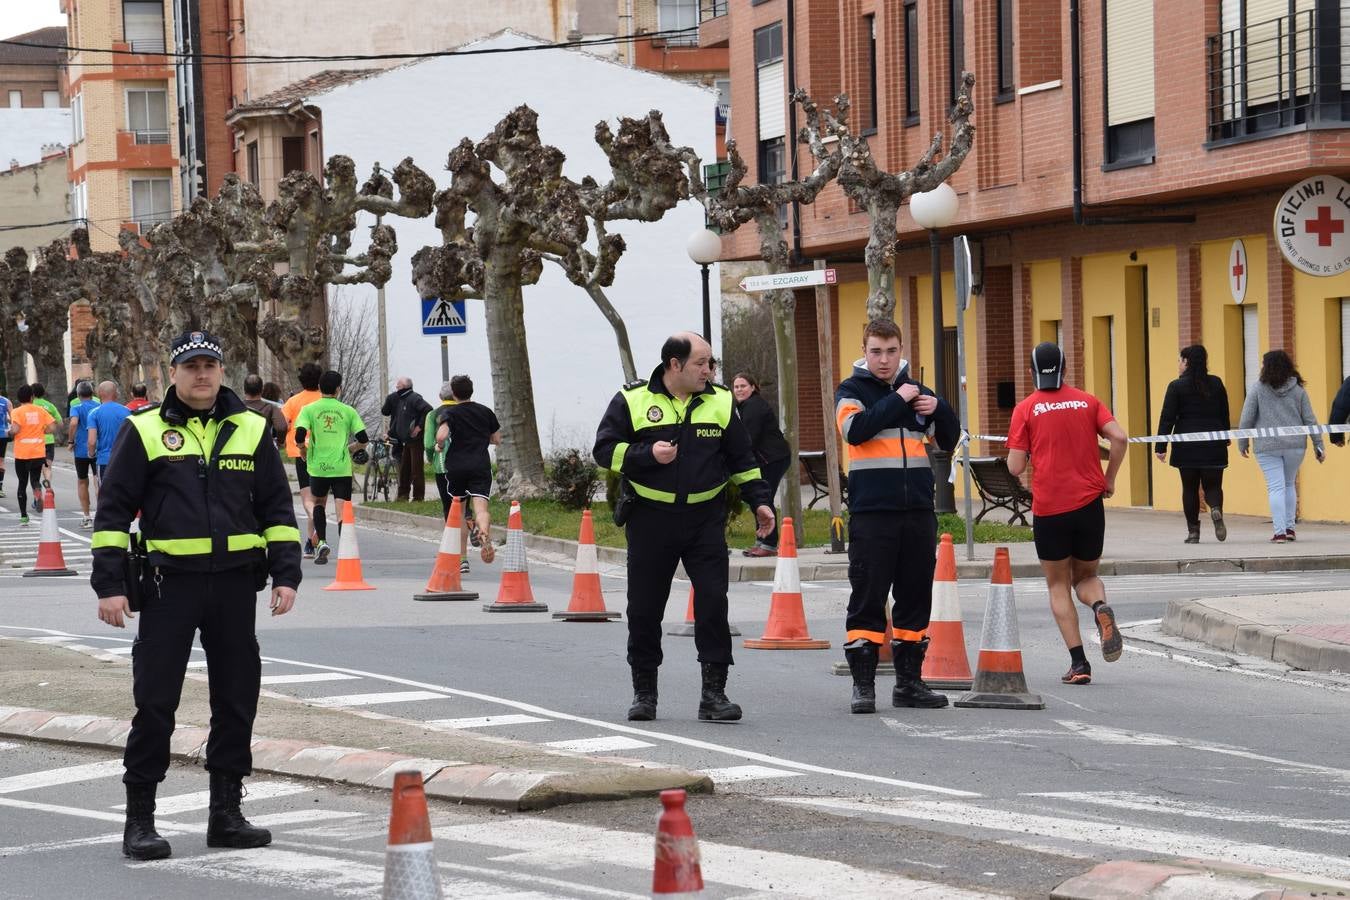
[{"x": 443, "y": 316}]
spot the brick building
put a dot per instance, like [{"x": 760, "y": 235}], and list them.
[
  {"x": 1193, "y": 119},
  {"x": 30, "y": 76}
]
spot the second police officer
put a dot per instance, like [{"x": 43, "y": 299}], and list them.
[{"x": 203, "y": 473}]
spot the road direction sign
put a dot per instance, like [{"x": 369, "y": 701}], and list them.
[
  {"x": 788, "y": 280},
  {"x": 443, "y": 317}
]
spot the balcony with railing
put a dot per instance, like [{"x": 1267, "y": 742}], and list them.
[
  {"x": 1281, "y": 75},
  {"x": 714, "y": 27},
  {"x": 145, "y": 150}
]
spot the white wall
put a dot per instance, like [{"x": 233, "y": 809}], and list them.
[{"x": 423, "y": 110}]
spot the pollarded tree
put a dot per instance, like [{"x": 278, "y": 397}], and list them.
[
  {"x": 15, "y": 284},
  {"x": 57, "y": 283}
]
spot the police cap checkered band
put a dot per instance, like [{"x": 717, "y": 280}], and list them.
[
  {"x": 1047, "y": 366},
  {"x": 191, "y": 344}
]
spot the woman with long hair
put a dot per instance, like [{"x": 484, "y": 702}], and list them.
[
  {"x": 1197, "y": 401},
  {"x": 771, "y": 448},
  {"x": 1278, "y": 399}
]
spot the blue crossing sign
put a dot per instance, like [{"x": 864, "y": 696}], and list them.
[{"x": 443, "y": 317}]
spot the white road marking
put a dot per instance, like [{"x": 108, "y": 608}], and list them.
[
  {"x": 732, "y": 774},
  {"x": 61, "y": 639},
  {"x": 306, "y": 677},
  {"x": 83, "y": 538},
  {"x": 64, "y": 775},
  {"x": 343, "y": 700},
  {"x": 48, "y": 846},
  {"x": 599, "y": 744},
  {"x": 300, "y": 816},
  {"x": 8, "y": 745},
  {"x": 1101, "y": 834},
  {"x": 119, "y": 650},
  {"x": 1190, "y": 809},
  {"x": 162, "y": 827},
  {"x": 254, "y": 790},
  {"x": 486, "y": 721}
]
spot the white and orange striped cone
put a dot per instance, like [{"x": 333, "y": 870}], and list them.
[
  {"x": 587, "y": 603},
  {"x": 348, "y": 576},
  {"x": 999, "y": 681},
  {"x": 410, "y": 871},
  {"x": 50, "y": 560},
  {"x": 946, "y": 664},
  {"x": 444, "y": 583},
  {"x": 514, "y": 593},
  {"x": 677, "y": 870},
  {"x": 786, "y": 628},
  {"x": 686, "y": 628}
]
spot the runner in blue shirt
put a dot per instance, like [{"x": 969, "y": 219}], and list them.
[
  {"x": 4, "y": 439},
  {"x": 80, "y": 409},
  {"x": 104, "y": 423}
]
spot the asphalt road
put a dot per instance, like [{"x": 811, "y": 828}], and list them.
[{"x": 1172, "y": 751}]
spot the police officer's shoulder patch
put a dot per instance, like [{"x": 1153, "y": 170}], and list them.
[
  {"x": 654, "y": 414},
  {"x": 634, "y": 384},
  {"x": 172, "y": 440}
]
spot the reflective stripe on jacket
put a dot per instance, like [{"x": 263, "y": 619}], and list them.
[
  {"x": 212, "y": 494},
  {"x": 714, "y": 446}
]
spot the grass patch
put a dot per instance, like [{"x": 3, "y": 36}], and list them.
[{"x": 547, "y": 517}]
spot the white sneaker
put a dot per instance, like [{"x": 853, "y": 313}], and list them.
[{"x": 86, "y": 522}]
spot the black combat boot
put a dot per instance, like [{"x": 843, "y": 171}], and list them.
[
  {"x": 862, "y": 662},
  {"x": 140, "y": 840},
  {"x": 644, "y": 696},
  {"x": 227, "y": 826},
  {"x": 909, "y": 687},
  {"x": 714, "y": 706}
]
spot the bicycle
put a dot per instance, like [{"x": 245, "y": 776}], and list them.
[{"x": 380, "y": 472}]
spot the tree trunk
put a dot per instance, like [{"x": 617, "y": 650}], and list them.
[
  {"x": 15, "y": 370},
  {"x": 784, "y": 305},
  {"x": 597, "y": 294},
  {"x": 880, "y": 258},
  {"x": 520, "y": 461}
]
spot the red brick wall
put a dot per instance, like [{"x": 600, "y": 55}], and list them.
[
  {"x": 810, "y": 419},
  {"x": 1039, "y": 44},
  {"x": 214, "y": 30},
  {"x": 997, "y": 349}
]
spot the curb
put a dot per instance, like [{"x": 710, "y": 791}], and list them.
[
  {"x": 1122, "y": 880},
  {"x": 1194, "y": 620},
  {"x": 452, "y": 780}
]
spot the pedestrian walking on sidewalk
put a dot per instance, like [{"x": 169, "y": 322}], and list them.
[
  {"x": 216, "y": 517},
  {"x": 1278, "y": 399},
  {"x": 328, "y": 432},
  {"x": 1340, "y": 415},
  {"x": 1197, "y": 401},
  {"x": 29, "y": 424},
  {"x": 886, "y": 419},
  {"x": 770, "y": 447},
  {"x": 1056, "y": 428},
  {"x": 676, "y": 442},
  {"x": 407, "y": 411}
]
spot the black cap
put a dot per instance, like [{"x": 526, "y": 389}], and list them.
[
  {"x": 191, "y": 344},
  {"x": 1047, "y": 366}
]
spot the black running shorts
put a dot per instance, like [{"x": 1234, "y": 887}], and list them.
[
  {"x": 1079, "y": 533},
  {"x": 340, "y": 488},
  {"x": 82, "y": 468}
]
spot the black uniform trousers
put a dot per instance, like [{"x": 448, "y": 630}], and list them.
[
  {"x": 222, "y": 606},
  {"x": 659, "y": 539},
  {"x": 891, "y": 553}
]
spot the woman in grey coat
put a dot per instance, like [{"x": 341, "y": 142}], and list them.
[{"x": 1278, "y": 399}]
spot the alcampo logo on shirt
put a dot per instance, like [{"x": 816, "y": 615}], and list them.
[
  {"x": 237, "y": 465},
  {"x": 1055, "y": 407}
]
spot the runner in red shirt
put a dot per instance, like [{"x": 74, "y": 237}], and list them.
[{"x": 1058, "y": 426}]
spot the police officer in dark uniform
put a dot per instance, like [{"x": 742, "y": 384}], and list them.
[
  {"x": 676, "y": 440},
  {"x": 203, "y": 473}
]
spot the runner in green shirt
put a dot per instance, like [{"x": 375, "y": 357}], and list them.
[{"x": 327, "y": 432}]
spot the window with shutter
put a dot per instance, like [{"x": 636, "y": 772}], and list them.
[
  {"x": 678, "y": 15},
  {"x": 1006, "y": 83},
  {"x": 1129, "y": 81},
  {"x": 956, "y": 44},
  {"x": 772, "y": 101},
  {"x": 143, "y": 25},
  {"x": 870, "y": 39},
  {"x": 911, "y": 43}
]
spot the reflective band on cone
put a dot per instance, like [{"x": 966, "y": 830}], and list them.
[
  {"x": 50, "y": 560},
  {"x": 686, "y": 628},
  {"x": 786, "y": 628},
  {"x": 348, "y": 576},
  {"x": 514, "y": 593},
  {"x": 410, "y": 857},
  {"x": 444, "y": 583},
  {"x": 946, "y": 664},
  {"x": 587, "y": 603},
  {"x": 677, "y": 870},
  {"x": 999, "y": 681}
]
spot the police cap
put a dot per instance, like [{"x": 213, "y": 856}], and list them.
[{"x": 191, "y": 344}]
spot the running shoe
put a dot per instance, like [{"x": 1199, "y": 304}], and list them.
[
  {"x": 1280, "y": 538},
  {"x": 1108, "y": 632},
  {"x": 86, "y": 522},
  {"x": 1289, "y": 535},
  {"x": 322, "y": 553},
  {"x": 309, "y": 549},
  {"x": 37, "y": 502},
  {"x": 759, "y": 550},
  {"x": 23, "y": 520},
  {"x": 475, "y": 539},
  {"x": 487, "y": 551},
  {"x": 464, "y": 567},
  {"x": 1079, "y": 673}
]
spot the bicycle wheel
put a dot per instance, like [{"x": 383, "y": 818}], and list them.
[
  {"x": 386, "y": 471},
  {"x": 368, "y": 483}
]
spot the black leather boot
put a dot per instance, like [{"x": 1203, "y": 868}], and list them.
[
  {"x": 714, "y": 706},
  {"x": 862, "y": 662},
  {"x": 909, "y": 687},
  {"x": 140, "y": 840},
  {"x": 644, "y": 696},
  {"x": 227, "y": 826}
]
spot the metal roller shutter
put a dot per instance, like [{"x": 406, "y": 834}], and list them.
[
  {"x": 1129, "y": 61},
  {"x": 772, "y": 118}
]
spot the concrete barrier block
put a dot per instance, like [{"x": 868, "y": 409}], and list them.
[
  {"x": 271, "y": 753},
  {"x": 25, "y": 722},
  {"x": 455, "y": 782},
  {"x": 506, "y": 788},
  {"x": 1256, "y": 640},
  {"x": 189, "y": 741},
  {"x": 360, "y": 766},
  {"x": 1298, "y": 651},
  {"x": 428, "y": 768},
  {"x": 105, "y": 732},
  {"x": 64, "y": 728},
  {"x": 311, "y": 760}
]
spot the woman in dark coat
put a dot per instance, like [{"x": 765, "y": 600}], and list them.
[
  {"x": 766, "y": 438},
  {"x": 1197, "y": 401}
]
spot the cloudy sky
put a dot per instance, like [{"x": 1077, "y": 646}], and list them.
[{"x": 20, "y": 16}]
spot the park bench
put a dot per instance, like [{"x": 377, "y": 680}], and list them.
[
  {"x": 999, "y": 488},
  {"x": 813, "y": 461}
]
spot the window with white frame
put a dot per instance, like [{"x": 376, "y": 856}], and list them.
[
  {"x": 143, "y": 25},
  {"x": 148, "y": 115},
  {"x": 51, "y": 99},
  {"x": 15, "y": 99},
  {"x": 79, "y": 200},
  {"x": 151, "y": 201},
  {"x": 77, "y": 118},
  {"x": 675, "y": 15}
]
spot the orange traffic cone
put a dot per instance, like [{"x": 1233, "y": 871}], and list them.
[
  {"x": 50, "y": 560},
  {"x": 514, "y": 593},
  {"x": 677, "y": 869},
  {"x": 348, "y": 576},
  {"x": 999, "y": 682},
  {"x": 587, "y": 603},
  {"x": 786, "y": 629},
  {"x": 444, "y": 583},
  {"x": 410, "y": 857},
  {"x": 686, "y": 628},
  {"x": 946, "y": 664}
]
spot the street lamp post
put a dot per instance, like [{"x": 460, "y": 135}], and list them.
[
  {"x": 935, "y": 210},
  {"x": 705, "y": 248}
]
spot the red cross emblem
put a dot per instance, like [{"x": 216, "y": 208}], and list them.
[{"x": 1324, "y": 226}]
